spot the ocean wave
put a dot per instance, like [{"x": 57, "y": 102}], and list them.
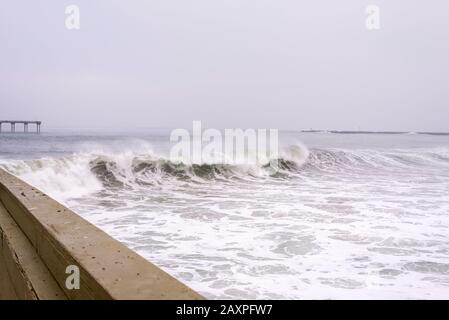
[
  {"x": 151, "y": 169},
  {"x": 87, "y": 172}
]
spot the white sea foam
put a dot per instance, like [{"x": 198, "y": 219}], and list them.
[
  {"x": 334, "y": 223},
  {"x": 63, "y": 178}
]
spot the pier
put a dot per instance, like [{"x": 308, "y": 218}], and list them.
[{"x": 25, "y": 124}]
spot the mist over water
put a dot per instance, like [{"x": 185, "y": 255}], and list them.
[{"x": 347, "y": 216}]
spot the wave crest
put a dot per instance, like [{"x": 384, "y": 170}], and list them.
[{"x": 84, "y": 173}]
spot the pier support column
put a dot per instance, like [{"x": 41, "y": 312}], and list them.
[
  {"x": 25, "y": 127},
  {"x": 13, "y": 127}
]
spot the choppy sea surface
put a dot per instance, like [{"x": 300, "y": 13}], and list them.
[{"x": 348, "y": 215}]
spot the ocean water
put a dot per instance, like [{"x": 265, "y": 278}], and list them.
[{"x": 348, "y": 216}]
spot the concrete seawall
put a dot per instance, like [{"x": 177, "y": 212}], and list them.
[{"x": 42, "y": 242}]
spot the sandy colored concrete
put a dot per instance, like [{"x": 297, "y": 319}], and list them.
[
  {"x": 28, "y": 276},
  {"x": 60, "y": 238},
  {"x": 6, "y": 286}
]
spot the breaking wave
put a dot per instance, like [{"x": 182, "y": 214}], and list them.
[{"x": 83, "y": 173}]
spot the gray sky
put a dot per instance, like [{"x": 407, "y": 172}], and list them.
[{"x": 285, "y": 64}]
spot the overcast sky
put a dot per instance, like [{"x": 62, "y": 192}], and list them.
[{"x": 285, "y": 64}]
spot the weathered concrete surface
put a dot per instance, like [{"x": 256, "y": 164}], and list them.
[
  {"x": 53, "y": 237},
  {"x": 24, "y": 273}
]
